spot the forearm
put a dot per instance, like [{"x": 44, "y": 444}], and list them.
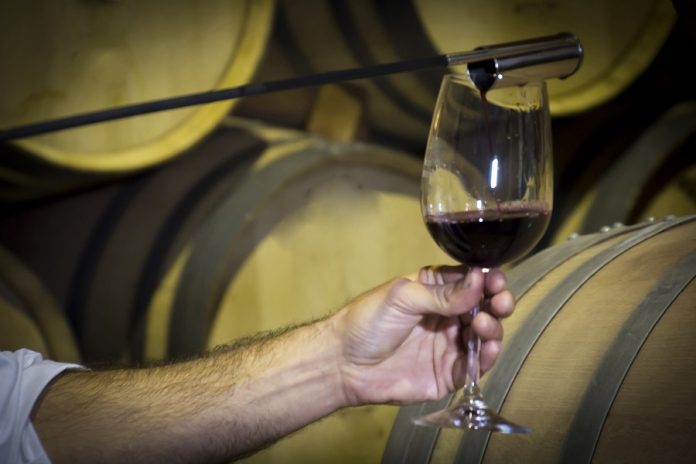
[{"x": 221, "y": 406}]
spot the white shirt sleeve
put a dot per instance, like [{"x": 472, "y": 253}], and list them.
[{"x": 23, "y": 376}]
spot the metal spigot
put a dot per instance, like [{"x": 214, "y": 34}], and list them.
[{"x": 557, "y": 56}]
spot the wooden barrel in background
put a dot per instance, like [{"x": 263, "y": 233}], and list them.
[
  {"x": 29, "y": 315},
  {"x": 598, "y": 357},
  {"x": 655, "y": 177},
  {"x": 102, "y": 251},
  {"x": 61, "y": 58},
  {"x": 621, "y": 39}
]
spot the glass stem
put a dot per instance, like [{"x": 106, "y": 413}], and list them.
[{"x": 473, "y": 348}]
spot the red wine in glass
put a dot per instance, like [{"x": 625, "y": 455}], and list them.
[{"x": 490, "y": 238}]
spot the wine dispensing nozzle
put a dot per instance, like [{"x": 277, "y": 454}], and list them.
[{"x": 513, "y": 63}]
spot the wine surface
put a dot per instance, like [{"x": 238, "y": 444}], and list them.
[{"x": 491, "y": 237}]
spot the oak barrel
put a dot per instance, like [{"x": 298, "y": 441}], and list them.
[
  {"x": 597, "y": 359},
  {"x": 102, "y": 251},
  {"x": 61, "y": 58},
  {"x": 620, "y": 38},
  {"x": 654, "y": 177}
]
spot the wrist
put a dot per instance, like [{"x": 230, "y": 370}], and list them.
[
  {"x": 351, "y": 374},
  {"x": 304, "y": 372},
  {"x": 329, "y": 347}
]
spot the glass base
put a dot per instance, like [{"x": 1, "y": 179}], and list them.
[{"x": 470, "y": 414}]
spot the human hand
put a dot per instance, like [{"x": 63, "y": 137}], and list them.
[{"x": 403, "y": 342}]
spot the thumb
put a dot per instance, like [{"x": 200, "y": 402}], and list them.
[{"x": 447, "y": 298}]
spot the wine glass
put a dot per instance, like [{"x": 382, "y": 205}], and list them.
[{"x": 486, "y": 198}]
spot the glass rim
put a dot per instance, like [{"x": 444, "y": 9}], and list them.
[{"x": 463, "y": 78}]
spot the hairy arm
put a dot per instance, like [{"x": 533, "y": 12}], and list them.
[{"x": 211, "y": 409}]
